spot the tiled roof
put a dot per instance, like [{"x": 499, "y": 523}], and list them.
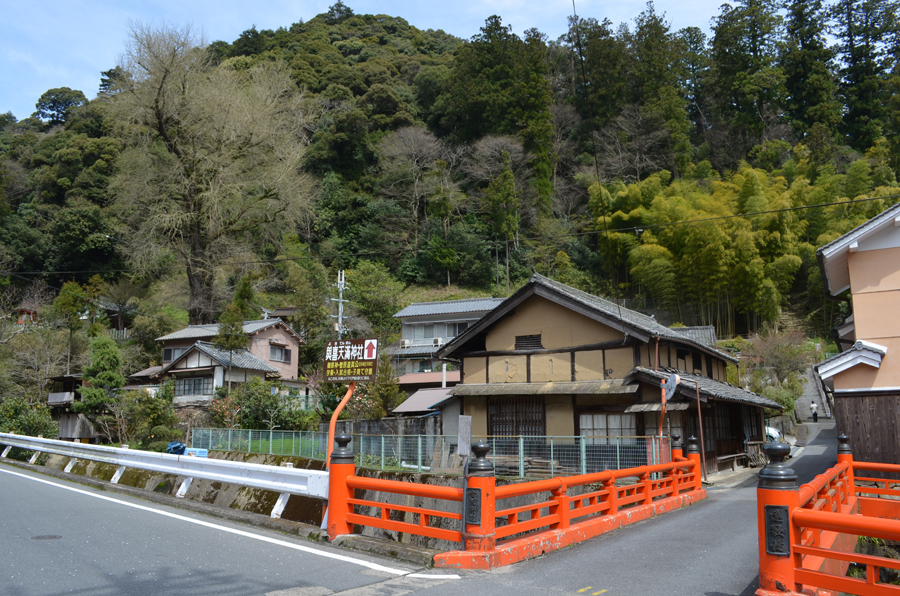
[
  {"x": 238, "y": 358},
  {"x": 235, "y": 359},
  {"x": 705, "y": 335},
  {"x": 710, "y": 387},
  {"x": 210, "y": 330},
  {"x": 643, "y": 322},
  {"x": 147, "y": 372},
  {"x": 862, "y": 352},
  {"x": 449, "y": 307},
  {"x": 395, "y": 350}
]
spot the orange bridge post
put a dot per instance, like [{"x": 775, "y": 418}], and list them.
[
  {"x": 693, "y": 454},
  {"x": 676, "y": 456},
  {"x": 777, "y": 498},
  {"x": 844, "y": 454},
  {"x": 339, "y": 494},
  {"x": 480, "y": 502}
]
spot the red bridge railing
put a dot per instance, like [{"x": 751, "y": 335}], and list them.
[
  {"x": 495, "y": 532},
  {"x": 808, "y": 534}
]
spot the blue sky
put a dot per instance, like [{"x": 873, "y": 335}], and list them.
[{"x": 67, "y": 43}]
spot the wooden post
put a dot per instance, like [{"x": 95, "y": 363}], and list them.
[
  {"x": 777, "y": 497},
  {"x": 341, "y": 467},
  {"x": 480, "y": 501}
]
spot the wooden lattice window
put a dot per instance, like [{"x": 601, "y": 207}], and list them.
[
  {"x": 528, "y": 342},
  {"x": 513, "y": 416}
]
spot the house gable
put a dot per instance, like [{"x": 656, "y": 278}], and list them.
[{"x": 877, "y": 234}]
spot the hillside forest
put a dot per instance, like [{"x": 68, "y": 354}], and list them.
[{"x": 688, "y": 175}]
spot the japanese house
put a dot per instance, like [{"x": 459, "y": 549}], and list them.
[
  {"x": 63, "y": 393},
  {"x": 199, "y": 367},
  {"x": 552, "y": 360}
]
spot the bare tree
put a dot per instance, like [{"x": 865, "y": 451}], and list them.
[
  {"x": 407, "y": 157},
  {"x": 37, "y": 356},
  {"x": 632, "y": 146},
  {"x": 213, "y": 157}
]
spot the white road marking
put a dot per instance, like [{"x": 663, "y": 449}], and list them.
[{"x": 306, "y": 549}]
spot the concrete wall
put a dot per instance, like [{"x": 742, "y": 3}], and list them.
[{"x": 429, "y": 425}]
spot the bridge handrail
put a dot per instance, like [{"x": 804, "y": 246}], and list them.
[
  {"x": 845, "y": 523},
  {"x": 808, "y": 534},
  {"x": 312, "y": 483},
  {"x": 481, "y": 522}
]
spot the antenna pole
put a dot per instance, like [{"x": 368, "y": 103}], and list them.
[{"x": 340, "y": 285}]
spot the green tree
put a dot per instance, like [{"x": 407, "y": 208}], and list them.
[
  {"x": 153, "y": 418},
  {"x": 261, "y": 404},
  {"x": 55, "y": 105},
  {"x": 376, "y": 296},
  {"x": 602, "y": 91},
  {"x": 862, "y": 27},
  {"x": 102, "y": 379},
  {"x": 69, "y": 308},
  {"x": 231, "y": 334},
  {"x": 808, "y": 62},
  {"x": 23, "y": 418},
  {"x": 500, "y": 85},
  {"x": 502, "y": 206},
  {"x": 749, "y": 84}
]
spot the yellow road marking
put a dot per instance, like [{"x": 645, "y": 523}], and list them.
[
  {"x": 585, "y": 589},
  {"x": 600, "y": 592}
]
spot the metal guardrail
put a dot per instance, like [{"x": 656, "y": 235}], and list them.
[{"x": 284, "y": 480}]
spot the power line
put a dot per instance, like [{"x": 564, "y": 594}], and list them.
[{"x": 484, "y": 243}]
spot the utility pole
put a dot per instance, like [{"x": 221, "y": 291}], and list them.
[{"x": 340, "y": 285}]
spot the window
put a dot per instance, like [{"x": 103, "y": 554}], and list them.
[
  {"x": 423, "y": 331},
  {"x": 512, "y": 416},
  {"x": 603, "y": 428},
  {"x": 194, "y": 386},
  {"x": 170, "y": 354},
  {"x": 697, "y": 362},
  {"x": 279, "y": 354},
  {"x": 528, "y": 342},
  {"x": 723, "y": 422},
  {"x": 454, "y": 329}
]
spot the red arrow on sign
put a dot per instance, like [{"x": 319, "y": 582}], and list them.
[{"x": 371, "y": 346}]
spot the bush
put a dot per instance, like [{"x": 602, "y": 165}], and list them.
[{"x": 22, "y": 418}]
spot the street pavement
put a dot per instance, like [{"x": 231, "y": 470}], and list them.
[{"x": 62, "y": 538}]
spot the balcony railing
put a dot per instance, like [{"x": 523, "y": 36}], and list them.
[{"x": 61, "y": 397}]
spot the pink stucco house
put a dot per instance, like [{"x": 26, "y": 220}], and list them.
[{"x": 863, "y": 380}]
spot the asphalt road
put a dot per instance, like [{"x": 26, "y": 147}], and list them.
[
  {"x": 113, "y": 545},
  {"x": 61, "y": 538}
]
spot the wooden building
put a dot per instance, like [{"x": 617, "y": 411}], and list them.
[
  {"x": 552, "y": 360},
  {"x": 863, "y": 380},
  {"x": 63, "y": 393}
]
